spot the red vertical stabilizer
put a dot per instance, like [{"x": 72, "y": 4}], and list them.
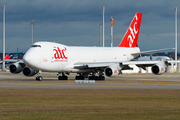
[
  {"x": 7, "y": 56},
  {"x": 131, "y": 37}
]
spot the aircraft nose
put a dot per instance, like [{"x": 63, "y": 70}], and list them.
[{"x": 26, "y": 59}]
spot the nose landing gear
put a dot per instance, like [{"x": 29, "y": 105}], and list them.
[{"x": 39, "y": 77}]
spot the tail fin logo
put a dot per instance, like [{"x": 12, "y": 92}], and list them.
[
  {"x": 7, "y": 56},
  {"x": 131, "y": 37}
]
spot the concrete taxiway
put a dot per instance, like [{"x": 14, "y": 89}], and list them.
[{"x": 123, "y": 81}]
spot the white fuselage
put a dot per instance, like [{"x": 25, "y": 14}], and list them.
[{"x": 54, "y": 57}]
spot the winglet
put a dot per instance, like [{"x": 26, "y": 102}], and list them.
[{"x": 131, "y": 37}]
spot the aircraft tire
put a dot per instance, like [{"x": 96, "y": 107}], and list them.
[
  {"x": 39, "y": 78},
  {"x": 59, "y": 77},
  {"x": 65, "y": 78},
  {"x": 62, "y": 78},
  {"x": 79, "y": 78},
  {"x": 102, "y": 78},
  {"x": 92, "y": 77}
]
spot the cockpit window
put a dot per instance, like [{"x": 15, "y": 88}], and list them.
[{"x": 35, "y": 46}]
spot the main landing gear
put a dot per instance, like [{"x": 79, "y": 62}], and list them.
[
  {"x": 96, "y": 78},
  {"x": 100, "y": 75},
  {"x": 63, "y": 77},
  {"x": 91, "y": 77},
  {"x": 80, "y": 77}
]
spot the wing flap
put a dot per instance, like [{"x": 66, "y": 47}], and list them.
[
  {"x": 106, "y": 64},
  {"x": 140, "y": 62},
  {"x": 173, "y": 61}
]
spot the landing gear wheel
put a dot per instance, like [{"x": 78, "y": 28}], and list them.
[
  {"x": 39, "y": 78},
  {"x": 59, "y": 77},
  {"x": 62, "y": 78},
  {"x": 101, "y": 77},
  {"x": 91, "y": 77},
  {"x": 79, "y": 78},
  {"x": 65, "y": 77},
  {"x": 96, "y": 78}
]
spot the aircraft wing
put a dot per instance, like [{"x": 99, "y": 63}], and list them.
[
  {"x": 148, "y": 63},
  {"x": 93, "y": 64},
  {"x": 173, "y": 61},
  {"x": 151, "y": 51},
  {"x": 125, "y": 63},
  {"x": 141, "y": 64},
  {"x": 106, "y": 64}
]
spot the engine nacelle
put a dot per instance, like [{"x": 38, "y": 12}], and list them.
[
  {"x": 111, "y": 71},
  {"x": 29, "y": 72},
  {"x": 15, "y": 68},
  {"x": 158, "y": 69}
]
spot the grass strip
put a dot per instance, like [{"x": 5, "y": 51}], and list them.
[{"x": 135, "y": 104}]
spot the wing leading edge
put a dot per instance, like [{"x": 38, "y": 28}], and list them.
[
  {"x": 151, "y": 51},
  {"x": 122, "y": 64}
]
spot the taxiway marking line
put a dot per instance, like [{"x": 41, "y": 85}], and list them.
[{"x": 90, "y": 85}]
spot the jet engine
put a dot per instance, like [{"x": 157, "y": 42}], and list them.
[
  {"x": 158, "y": 69},
  {"x": 15, "y": 68},
  {"x": 29, "y": 72},
  {"x": 111, "y": 71}
]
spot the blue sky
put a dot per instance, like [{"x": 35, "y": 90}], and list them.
[{"x": 76, "y": 22}]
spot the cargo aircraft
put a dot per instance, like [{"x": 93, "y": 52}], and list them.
[{"x": 93, "y": 63}]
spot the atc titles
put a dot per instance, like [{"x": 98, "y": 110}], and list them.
[
  {"x": 60, "y": 55},
  {"x": 132, "y": 35}
]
